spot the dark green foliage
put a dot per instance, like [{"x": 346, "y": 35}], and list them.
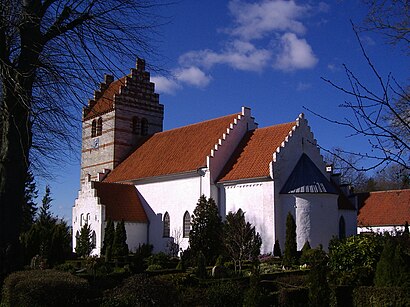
[
  {"x": 290, "y": 254},
  {"x": 319, "y": 291},
  {"x": 227, "y": 294},
  {"x": 140, "y": 290},
  {"x": 393, "y": 268},
  {"x": 160, "y": 259},
  {"x": 206, "y": 230},
  {"x": 108, "y": 241},
  {"x": 381, "y": 296},
  {"x": 48, "y": 237},
  {"x": 44, "y": 288},
  {"x": 352, "y": 261},
  {"x": 84, "y": 244},
  {"x": 201, "y": 266},
  {"x": 29, "y": 209},
  {"x": 276, "y": 249},
  {"x": 120, "y": 247},
  {"x": 294, "y": 297},
  {"x": 306, "y": 247},
  {"x": 241, "y": 241}
]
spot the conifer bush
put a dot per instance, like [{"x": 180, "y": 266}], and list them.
[{"x": 44, "y": 288}]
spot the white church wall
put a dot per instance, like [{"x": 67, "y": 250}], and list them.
[
  {"x": 256, "y": 200},
  {"x": 316, "y": 219},
  {"x": 381, "y": 229},
  {"x": 176, "y": 195},
  {"x": 87, "y": 210},
  {"x": 137, "y": 234}
]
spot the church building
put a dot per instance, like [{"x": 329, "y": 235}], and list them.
[{"x": 132, "y": 170}]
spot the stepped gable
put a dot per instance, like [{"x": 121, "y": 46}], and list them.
[
  {"x": 307, "y": 178},
  {"x": 253, "y": 155},
  {"x": 133, "y": 88},
  {"x": 121, "y": 202},
  {"x": 384, "y": 208},
  {"x": 174, "y": 151}
]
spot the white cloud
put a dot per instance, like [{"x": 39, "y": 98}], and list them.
[
  {"x": 237, "y": 54},
  {"x": 165, "y": 85},
  {"x": 193, "y": 76},
  {"x": 256, "y": 20},
  {"x": 296, "y": 53}
]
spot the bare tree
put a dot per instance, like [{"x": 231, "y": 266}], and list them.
[
  {"x": 391, "y": 18},
  {"x": 51, "y": 51},
  {"x": 380, "y": 115}
]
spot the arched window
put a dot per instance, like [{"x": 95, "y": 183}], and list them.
[
  {"x": 93, "y": 128},
  {"x": 187, "y": 224},
  {"x": 81, "y": 219},
  {"x": 99, "y": 126},
  {"x": 342, "y": 228},
  {"x": 136, "y": 125},
  {"x": 77, "y": 238},
  {"x": 144, "y": 126},
  {"x": 94, "y": 239},
  {"x": 167, "y": 229}
]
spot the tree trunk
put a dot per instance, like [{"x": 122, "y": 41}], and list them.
[
  {"x": 16, "y": 134},
  {"x": 14, "y": 151}
]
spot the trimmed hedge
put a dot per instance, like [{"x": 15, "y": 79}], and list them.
[
  {"x": 44, "y": 288},
  {"x": 381, "y": 296}
]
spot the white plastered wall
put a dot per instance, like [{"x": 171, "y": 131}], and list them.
[
  {"x": 301, "y": 140},
  {"x": 88, "y": 206},
  {"x": 256, "y": 200},
  {"x": 175, "y": 195}
]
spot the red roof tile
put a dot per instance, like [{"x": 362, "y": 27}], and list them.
[
  {"x": 384, "y": 208},
  {"x": 173, "y": 151},
  {"x": 121, "y": 202},
  {"x": 252, "y": 156},
  {"x": 106, "y": 101}
]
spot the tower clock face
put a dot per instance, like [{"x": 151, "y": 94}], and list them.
[{"x": 96, "y": 143}]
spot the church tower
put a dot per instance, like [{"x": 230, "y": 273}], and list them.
[{"x": 122, "y": 114}]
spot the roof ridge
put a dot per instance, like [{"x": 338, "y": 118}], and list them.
[
  {"x": 198, "y": 123},
  {"x": 390, "y": 191}
]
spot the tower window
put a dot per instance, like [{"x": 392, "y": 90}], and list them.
[
  {"x": 187, "y": 224},
  {"x": 94, "y": 239},
  {"x": 99, "y": 126},
  {"x": 136, "y": 125},
  {"x": 144, "y": 126},
  {"x": 167, "y": 228},
  {"x": 93, "y": 128}
]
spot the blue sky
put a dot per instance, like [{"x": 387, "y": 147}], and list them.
[{"x": 267, "y": 55}]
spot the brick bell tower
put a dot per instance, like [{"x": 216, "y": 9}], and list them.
[{"x": 122, "y": 114}]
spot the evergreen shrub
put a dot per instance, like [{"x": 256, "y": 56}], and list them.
[
  {"x": 381, "y": 296},
  {"x": 221, "y": 294},
  {"x": 293, "y": 297},
  {"x": 141, "y": 290},
  {"x": 44, "y": 288}
]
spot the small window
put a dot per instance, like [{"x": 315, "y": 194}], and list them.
[
  {"x": 94, "y": 239},
  {"x": 342, "y": 228},
  {"x": 167, "y": 229},
  {"x": 81, "y": 219},
  {"x": 144, "y": 126},
  {"x": 93, "y": 128},
  {"x": 99, "y": 126},
  {"x": 187, "y": 224},
  {"x": 77, "y": 238},
  {"x": 136, "y": 125}
]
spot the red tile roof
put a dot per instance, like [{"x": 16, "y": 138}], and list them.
[
  {"x": 106, "y": 102},
  {"x": 252, "y": 156},
  {"x": 173, "y": 151},
  {"x": 384, "y": 208},
  {"x": 121, "y": 202}
]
